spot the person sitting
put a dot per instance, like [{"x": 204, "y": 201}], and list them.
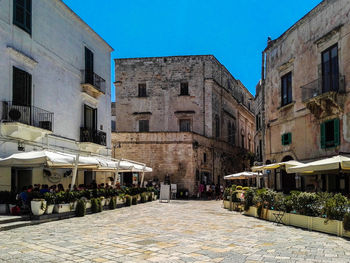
[
  {"x": 60, "y": 188},
  {"x": 44, "y": 189}
]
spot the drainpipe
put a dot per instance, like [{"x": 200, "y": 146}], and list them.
[{"x": 204, "y": 99}]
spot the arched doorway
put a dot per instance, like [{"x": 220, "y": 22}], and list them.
[{"x": 288, "y": 180}]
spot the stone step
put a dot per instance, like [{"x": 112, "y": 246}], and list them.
[
  {"x": 12, "y": 225},
  {"x": 9, "y": 219}
]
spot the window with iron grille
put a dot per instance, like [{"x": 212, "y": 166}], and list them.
[
  {"x": 22, "y": 14},
  {"x": 184, "y": 89},
  {"x": 142, "y": 90},
  {"x": 185, "y": 125},
  {"x": 143, "y": 125}
]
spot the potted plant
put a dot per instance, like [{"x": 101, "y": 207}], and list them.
[
  {"x": 37, "y": 204},
  {"x": 128, "y": 200},
  {"x": 81, "y": 209},
  {"x": 62, "y": 203},
  {"x": 50, "y": 199}
]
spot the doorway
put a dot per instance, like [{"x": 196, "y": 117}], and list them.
[{"x": 20, "y": 177}]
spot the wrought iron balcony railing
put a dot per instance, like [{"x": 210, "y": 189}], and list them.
[
  {"x": 94, "y": 80},
  {"x": 332, "y": 83},
  {"x": 30, "y": 115},
  {"x": 94, "y": 136}
]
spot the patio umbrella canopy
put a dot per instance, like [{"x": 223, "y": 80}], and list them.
[
  {"x": 328, "y": 164},
  {"x": 242, "y": 175},
  {"x": 273, "y": 166},
  {"x": 47, "y": 158}
]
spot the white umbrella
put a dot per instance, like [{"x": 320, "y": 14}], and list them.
[{"x": 328, "y": 164}]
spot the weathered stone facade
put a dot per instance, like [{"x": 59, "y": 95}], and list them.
[
  {"x": 196, "y": 89},
  {"x": 319, "y": 92}
]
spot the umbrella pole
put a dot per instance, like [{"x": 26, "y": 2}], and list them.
[
  {"x": 75, "y": 171},
  {"x": 143, "y": 175},
  {"x": 116, "y": 175}
]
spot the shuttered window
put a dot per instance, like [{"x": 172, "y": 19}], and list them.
[
  {"x": 143, "y": 125},
  {"x": 21, "y": 88},
  {"x": 286, "y": 89},
  {"x": 142, "y": 90},
  {"x": 287, "y": 139},
  {"x": 185, "y": 125},
  {"x": 330, "y": 134},
  {"x": 89, "y": 66},
  {"x": 22, "y": 14},
  {"x": 184, "y": 89}
]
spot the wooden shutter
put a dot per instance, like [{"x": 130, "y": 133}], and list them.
[
  {"x": 28, "y": 16},
  {"x": 289, "y": 138},
  {"x": 282, "y": 139},
  {"x": 21, "y": 87},
  {"x": 89, "y": 66},
  {"x": 336, "y": 132},
  {"x": 323, "y": 135}
]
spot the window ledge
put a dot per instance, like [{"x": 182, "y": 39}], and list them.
[
  {"x": 287, "y": 106},
  {"x": 184, "y": 95}
]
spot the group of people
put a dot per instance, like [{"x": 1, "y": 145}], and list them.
[{"x": 210, "y": 191}]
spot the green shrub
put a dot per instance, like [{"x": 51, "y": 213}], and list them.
[
  {"x": 134, "y": 199},
  {"x": 150, "y": 197},
  {"x": 248, "y": 198},
  {"x": 308, "y": 204},
  {"x": 143, "y": 198},
  {"x": 346, "y": 222},
  {"x": 50, "y": 198},
  {"x": 113, "y": 203},
  {"x": 245, "y": 188},
  {"x": 336, "y": 207},
  {"x": 239, "y": 188},
  {"x": 99, "y": 205},
  {"x": 94, "y": 205},
  {"x": 128, "y": 200},
  {"x": 226, "y": 193},
  {"x": 81, "y": 208},
  {"x": 233, "y": 187}
]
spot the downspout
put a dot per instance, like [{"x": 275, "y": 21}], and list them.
[{"x": 204, "y": 99}]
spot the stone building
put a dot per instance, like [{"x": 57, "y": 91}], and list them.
[
  {"x": 185, "y": 116},
  {"x": 54, "y": 89},
  {"x": 305, "y": 87}
]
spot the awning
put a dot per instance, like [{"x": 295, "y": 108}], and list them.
[
  {"x": 49, "y": 159},
  {"x": 273, "y": 166},
  {"x": 53, "y": 159},
  {"x": 242, "y": 175},
  {"x": 328, "y": 164}
]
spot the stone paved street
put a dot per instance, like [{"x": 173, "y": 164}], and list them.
[{"x": 182, "y": 231}]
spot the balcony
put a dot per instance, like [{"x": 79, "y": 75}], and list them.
[
  {"x": 25, "y": 122},
  {"x": 92, "y": 140},
  {"x": 323, "y": 96},
  {"x": 93, "y": 84}
]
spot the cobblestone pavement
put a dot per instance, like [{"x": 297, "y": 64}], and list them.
[{"x": 182, "y": 231}]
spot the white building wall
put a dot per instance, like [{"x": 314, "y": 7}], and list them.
[{"x": 57, "y": 45}]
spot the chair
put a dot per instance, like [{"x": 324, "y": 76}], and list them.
[{"x": 278, "y": 217}]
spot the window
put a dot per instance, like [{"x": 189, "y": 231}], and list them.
[
  {"x": 21, "y": 88},
  {"x": 205, "y": 158},
  {"x": 231, "y": 133},
  {"x": 286, "y": 89},
  {"x": 287, "y": 139},
  {"x": 258, "y": 122},
  {"x": 242, "y": 140},
  {"x": 90, "y": 118},
  {"x": 89, "y": 66},
  {"x": 143, "y": 125},
  {"x": 142, "y": 90},
  {"x": 330, "y": 69},
  {"x": 184, "y": 89},
  {"x": 22, "y": 14},
  {"x": 113, "y": 126},
  {"x": 185, "y": 125},
  {"x": 217, "y": 126},
  {"x": 330, "y": 136}
]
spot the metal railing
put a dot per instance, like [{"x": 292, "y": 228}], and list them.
[
  {"x": 332, "y": 83},
  {"x": 94, "y": 136},
  {"x": 30, "y": 115},
  {"x": 95, "y": 80}
]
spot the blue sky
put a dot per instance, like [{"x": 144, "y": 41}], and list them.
[{"x": 235, "y": 31}]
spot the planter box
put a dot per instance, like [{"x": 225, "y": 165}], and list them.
[
  {"x": 299, "y": 220},
  {"x": 49, "y": 209},
  {"x": 3, "y": 208},
  {"x": 38, "y": 208},
  {"x": 226, "y": 204},
  {"x": 62, "y": 208},
  {"x": 88, "y": 204},
  {"x": 108, "y": 200},
  {"x": 253, "y": 211},
  {"x": 120, "y": 200},
  {"x": 103, "y": 202},
  {"x": 331, "y": 227}
]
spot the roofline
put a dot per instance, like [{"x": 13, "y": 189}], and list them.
[
  {"x": 89, "y": 27},
  {"x": 296, "y": 24},
  {"x": 190, "y": 56}
]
